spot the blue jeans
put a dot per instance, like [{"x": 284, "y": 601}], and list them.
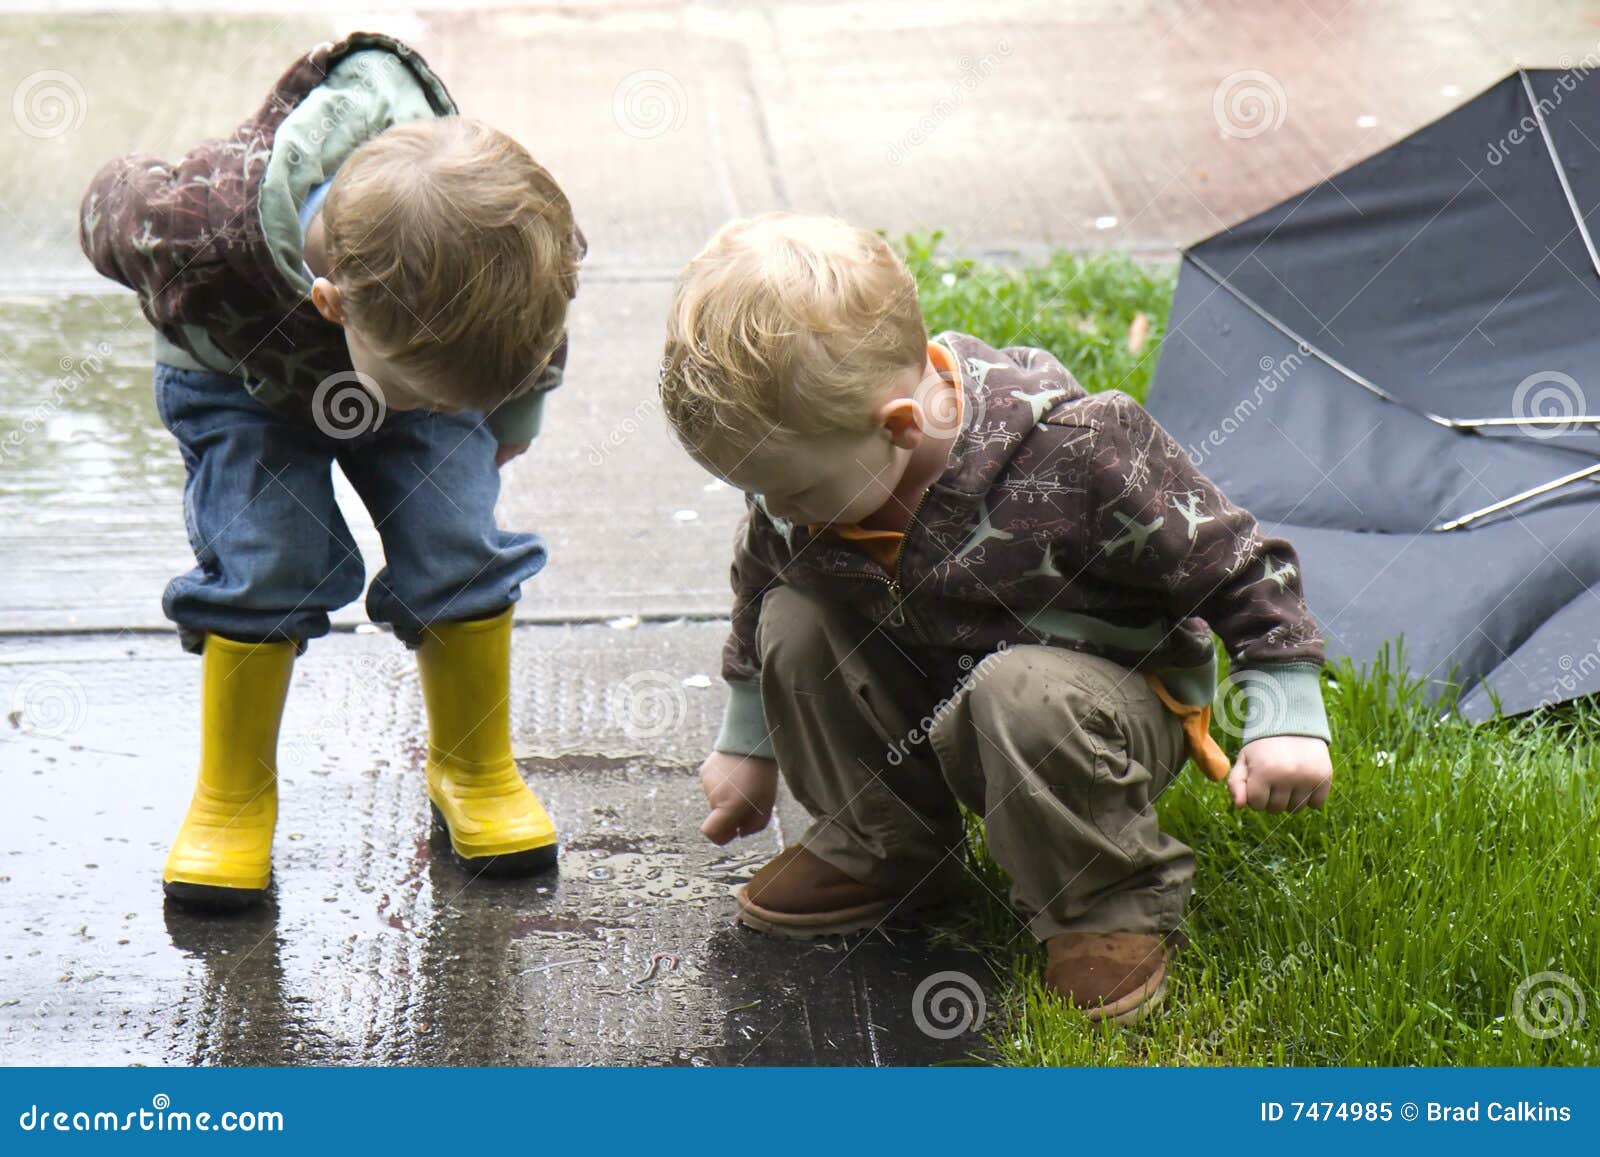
[{"x": 274, "y": 554}]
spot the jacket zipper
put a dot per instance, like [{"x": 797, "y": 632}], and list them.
[{"x": 898, "y": 615}]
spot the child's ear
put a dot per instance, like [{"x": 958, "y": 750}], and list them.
[
  {"x": 325, "y": 296},
  {"x": 902, "y": 419}
]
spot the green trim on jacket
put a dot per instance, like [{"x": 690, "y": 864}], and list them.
[
  {"x": 365, "y": 92},
  {"x": 744, "y": 723},
  {"x": 518, "y": 420},
  {"x": 1280, "y": 699}
]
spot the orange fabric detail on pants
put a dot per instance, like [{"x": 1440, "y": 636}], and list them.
[{"x": 1203, "y": 750}]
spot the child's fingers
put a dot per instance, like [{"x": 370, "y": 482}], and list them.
[
  {"x": 1304, "y": 794},
  {"x": 732, "y": 821},
  {"x": 1237, "y": 779},
  {"x": 721, "y": 825},
  {"x": 1258, "y": 792}
]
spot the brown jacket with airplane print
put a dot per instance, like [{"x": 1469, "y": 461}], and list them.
[
  {"x": 212, "y": 244},
  {"x": 1063, "y": 518}
]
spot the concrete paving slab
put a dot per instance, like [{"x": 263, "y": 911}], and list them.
[
  {"x": 1015, "y": 125},
  {"x": 379, "y": 948}
]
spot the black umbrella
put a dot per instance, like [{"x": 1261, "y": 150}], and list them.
[{"x": 1395, "y": 371}]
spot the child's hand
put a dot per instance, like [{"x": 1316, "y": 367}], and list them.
[
  {"x": 741, "y": 790},
  {"x": 506, "y": 451},
  {"x": 1281, "y": 773}
]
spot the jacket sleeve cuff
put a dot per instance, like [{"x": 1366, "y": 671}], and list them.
[
  {"x": 1283, "y": 699},
  {"x": 518, "y": 420},
  {"x": 744, "y": 723}
]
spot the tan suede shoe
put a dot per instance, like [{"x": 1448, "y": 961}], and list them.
[
  {"x": 1120, "y": 977},
  {"x": 801, "y": 896}
]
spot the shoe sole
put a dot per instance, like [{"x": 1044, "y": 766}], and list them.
[
  {"x": 812, "y": 926},
  {"x": 526, "y": 862},
  {"x": 212, "y": 897},
  {"x": 1131, "y": 1009}
]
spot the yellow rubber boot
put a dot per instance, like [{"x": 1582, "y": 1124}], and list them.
[
  {"x": 496, "y": 823},
  {"x": 222, "y": 857}
]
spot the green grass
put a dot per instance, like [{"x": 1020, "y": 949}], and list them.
[
  {"x": 1452, "y": 864},
  {"x": 1080, "y": 309}
]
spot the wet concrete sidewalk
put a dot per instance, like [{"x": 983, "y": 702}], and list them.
[
  {"x": 1014, "y": 126},
  {"x": 380, "y": 948}
]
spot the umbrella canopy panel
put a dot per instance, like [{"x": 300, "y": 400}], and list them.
[
  {"x": 1313, "y": 350},
  {"x": 1451, "y": 268}
]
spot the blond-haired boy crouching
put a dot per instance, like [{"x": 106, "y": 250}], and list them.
[{"x": 962, "y": 580}]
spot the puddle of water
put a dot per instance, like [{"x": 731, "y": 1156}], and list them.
[
  {"x": 88, "y": 474},
  {"x": 77, "y": 420}
]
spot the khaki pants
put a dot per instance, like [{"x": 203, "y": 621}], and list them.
[{"x": 1063, "y": 754}]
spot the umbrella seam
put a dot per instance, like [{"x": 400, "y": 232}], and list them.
[{"x": 1561, "y": 172}]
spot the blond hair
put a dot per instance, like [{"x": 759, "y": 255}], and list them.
[
  {"x": 787, "y": 325},
  {"x": 455, "y": 254}
]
